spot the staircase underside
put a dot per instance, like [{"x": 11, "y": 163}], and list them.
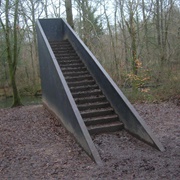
[{"x": 96, "y": 111}]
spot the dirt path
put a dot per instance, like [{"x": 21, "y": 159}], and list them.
[{"x": 34, "y": 146}]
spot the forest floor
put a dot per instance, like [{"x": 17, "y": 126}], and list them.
[{"x": 33, "y": 146}]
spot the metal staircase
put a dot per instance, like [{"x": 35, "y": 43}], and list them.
[
  {"x": 94, "y": 107},
  {"x": 77, "y": 89}
]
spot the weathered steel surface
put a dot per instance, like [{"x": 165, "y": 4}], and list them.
[
  {"x": 55, "y": 91},
  {"x": 87, "y": 97},
  {"x": 128, "y": 115},
  {"x": 59, "y": 97}
]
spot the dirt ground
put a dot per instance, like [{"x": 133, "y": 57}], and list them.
[{"x": 33, "y": 146}]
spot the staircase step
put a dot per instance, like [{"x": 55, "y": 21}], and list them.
[
  {"x": 74, "y": 73},
  {"x": 101, "y": 119},
  {"x": 84, "y": 88},
  {"x": 68, "y": 61},
  {"x": 97, "y": 112},
  {"x": 83, "y": 107},
  {"x": 110, "y": 127},
  {"x": 81, "y": 83},
  {"x": 90, "y": 99},
  {"x": 88, "y": 93},
  {"x": 60, "y": 44},
  {"x": 60, "y": 48},
  {"x": 73, "y": 65},
  {"x": 67, "y": 51},
  {"x": 94, "y": 108},
  {"x": 66, "y": 58},
  {"x": 79, "y": 78},
  {"x": 69, "y": 69}
]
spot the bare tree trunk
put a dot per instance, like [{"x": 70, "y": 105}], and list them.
[
  {"x": 30, "y": 12},
  {"x": 133, "y": 35},
  {"x": 56, "y": 8},
  {"x": 112, "y": 43},
  {"x": 69, "y": 14},
  {"x": 12, "y": 59},
  {"x": 145, "y": 27},
  {"x": 46, "y": 8},
  {"x": 84, "y": 16},
  {"x": 34, "y": 45},
  {"x": 158, "y": 23},
  {"x": 123, "y": 32},
  {"x": 115, "y": 22}
]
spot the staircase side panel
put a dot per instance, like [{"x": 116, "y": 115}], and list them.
[
  {"x": 57, "y": 96},
  {"x": 54, "y": 30},
  {"x": 128, "y": 115}
]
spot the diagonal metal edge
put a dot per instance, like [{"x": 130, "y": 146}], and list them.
[
  {"x": 136, "y": 118},
  {"x": 94, "y": 153}
]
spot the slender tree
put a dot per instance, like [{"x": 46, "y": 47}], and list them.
[
  {"x": 113, "y": 43},
  {"x": 123, "y": 30},
  {"x": 69, "y": 14},
  {"x": 56, "y": 6},
  {"x": 131, "y": 26},
  {"x": 145, "y": 26},
  {"x": 31, "y": 11},
  {"x": 12, "y": 49}
]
